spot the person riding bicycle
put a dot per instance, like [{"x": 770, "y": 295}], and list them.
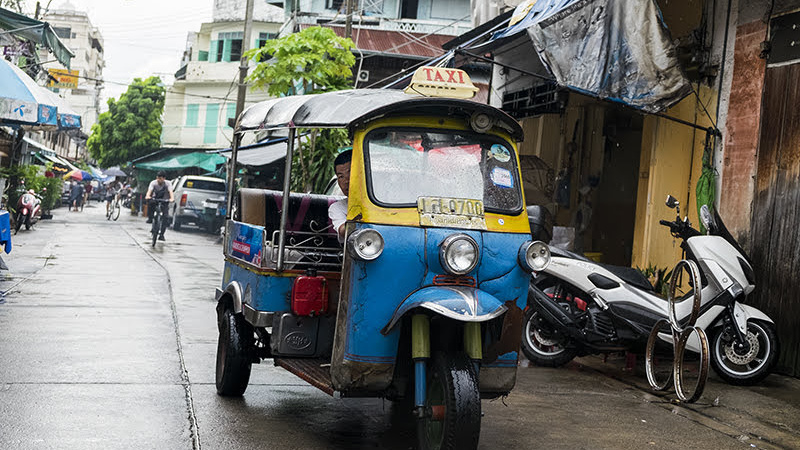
[
  {"x": 112, "y": 191},
  {"x": 159, "y": 189}
]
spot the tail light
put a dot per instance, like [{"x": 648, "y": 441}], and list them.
[
  {"x": 183, "y": 199},
  {"x": 310, "y": 296}
]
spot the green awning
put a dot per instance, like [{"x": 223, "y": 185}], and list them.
[
  {"x": 205, "y": 161},
  {"x": 36, "y": 31}
]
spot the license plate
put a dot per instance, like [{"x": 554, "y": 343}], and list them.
[{"x": 451, "y": 212}]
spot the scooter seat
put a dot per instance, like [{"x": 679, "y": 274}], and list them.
[{"x": 630, "y": 275}]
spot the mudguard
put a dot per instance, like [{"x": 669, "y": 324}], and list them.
[
  {"x": 235, "y": 290},
  {"x": 462, "y": 303}
]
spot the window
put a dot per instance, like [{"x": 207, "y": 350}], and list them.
[
  {"x": 229, "y": 46},
  {"x": 408, "y": 9},
  {"x": 264, "y": 37},
  {"x": 212, "y": 122},
  {"x": 231, "y": 113},
  {"x": 63, "y": 32},
  {"x": 405, "y": 164},
  {"x": 192, "y": 111}
]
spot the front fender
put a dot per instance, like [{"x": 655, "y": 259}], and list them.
[{"x": 462, "y": 303}]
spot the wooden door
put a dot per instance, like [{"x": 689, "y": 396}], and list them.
[{"x": 775, "y": 233}]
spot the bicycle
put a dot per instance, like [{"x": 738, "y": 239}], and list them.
[
  {"x": 114, "y": 209},
  {"x": 158, "y": 217}
]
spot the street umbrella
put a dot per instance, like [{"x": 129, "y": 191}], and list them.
[
  {"x": 114, "y": 172},
  {"x": 80, "y": 175},
  {"x": 22, "y": 101}
]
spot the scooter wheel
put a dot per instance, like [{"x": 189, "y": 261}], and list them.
[{"x": 750, "y": 364}]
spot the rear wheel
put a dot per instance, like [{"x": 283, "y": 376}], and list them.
[
  {"x": 176, "y": 223},
  {"x": 542, "y": 344},
  {"x": 236, "y": 338},
  {"x": 28, "y": 222},
  {"x": 18, "y": 223},
  {"x": 745, "y": 363},
  {"x": 453, "y": 405}
]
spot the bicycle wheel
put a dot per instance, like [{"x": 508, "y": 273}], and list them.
[
  {"x": 116, "y": 208},
  {"x": 156, "y": 226}
]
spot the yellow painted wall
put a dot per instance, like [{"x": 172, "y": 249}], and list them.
[{"x": 671, "y": 163}]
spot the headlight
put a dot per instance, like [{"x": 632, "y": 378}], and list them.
[
  {"x": 534, "y": 256},
  {"x": 365, "y": 244},
  {"x": 459, "y": 254}
]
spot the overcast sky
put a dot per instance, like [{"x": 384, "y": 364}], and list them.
[{"x": 142, "y": 37}]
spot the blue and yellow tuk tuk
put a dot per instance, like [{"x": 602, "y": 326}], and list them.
[{"x": 423, "y": 301}]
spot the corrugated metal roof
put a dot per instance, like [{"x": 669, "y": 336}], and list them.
[{"x": 396, "y": 42}]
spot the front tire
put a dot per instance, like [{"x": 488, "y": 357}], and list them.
[
  {"x": 542, "y": 344},
  {"x": 28, "y": 222},
  {"x": 176, "y": 223},
  {"x": 115, "y": 212},
  {"x": 453, "y": 393},
  {"x": 233, "y": 362},
  {"x": 745, "y": 365}
]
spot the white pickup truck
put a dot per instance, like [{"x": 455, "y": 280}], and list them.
[{"x": 193, "y": 194}]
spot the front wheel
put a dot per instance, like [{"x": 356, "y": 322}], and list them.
[
  {"x": 115, "y": 211},
  {"x": 745, "y": 363},
  {"x": 542, "y": 344},
  {"x": 156, "y": 227},
  {"x": 18, "y": 223},
  {"x": 233, "y": 362},
  {"x": 452, "y": 404},
  {"x": 28, "y": 223}
]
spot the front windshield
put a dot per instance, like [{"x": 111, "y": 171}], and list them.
[{"x": 406, "y": 164}]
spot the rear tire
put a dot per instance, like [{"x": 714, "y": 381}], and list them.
[
  {"x": 176, "y": 223},
  {"x": 745, "y": 367},
  {"x": 542, "y": 344},
  {"x": 18, "y": 223},
  {"x": 236, "y": 339},
  {"x": 452, "y": 384},
  {"x": 28, "y": 222}
]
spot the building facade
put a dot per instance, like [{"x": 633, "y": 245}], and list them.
[
  {"x": 81, "y": 86},
  {"x": 203, "y": 98}
]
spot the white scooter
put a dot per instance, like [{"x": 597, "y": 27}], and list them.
[{"x": 577, "y": 306}]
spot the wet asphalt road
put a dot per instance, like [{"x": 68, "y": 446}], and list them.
[{"x": 106, "y": 343}]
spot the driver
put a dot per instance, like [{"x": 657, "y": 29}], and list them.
[
  {"x": 159, "y": 189},
  {"x": 337, "y": 212}
]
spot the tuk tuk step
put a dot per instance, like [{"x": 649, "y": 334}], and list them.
[{"x": 315, "y": 371}]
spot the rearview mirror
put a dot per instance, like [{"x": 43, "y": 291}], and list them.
[{"x": 672, "y": 202}]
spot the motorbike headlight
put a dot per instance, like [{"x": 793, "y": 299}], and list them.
[
  {"x": 534, "y": 256},
  {"x": 458, "y": 254},
  {"x": 365, "y": 244}
]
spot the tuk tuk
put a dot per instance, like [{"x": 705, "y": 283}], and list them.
[{"x": 423, "y": 301}]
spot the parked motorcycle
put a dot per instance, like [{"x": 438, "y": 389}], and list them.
[
  {"x": 577, "y": 306},
  {"x": 29, "y": 210}
]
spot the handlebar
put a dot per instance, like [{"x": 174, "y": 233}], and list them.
[{"x": 666, "y": 223}]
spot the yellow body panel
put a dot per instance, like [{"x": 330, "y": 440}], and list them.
[{"x": 361, "y": 209}]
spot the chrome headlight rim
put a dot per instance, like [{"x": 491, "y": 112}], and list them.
[
  {"x": 356, "y": 242},
  {"x": 528, "y": 253},
  {"x": 447, "y": 243}
]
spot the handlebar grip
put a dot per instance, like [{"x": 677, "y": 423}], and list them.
[{"x": 666, "y": 223}]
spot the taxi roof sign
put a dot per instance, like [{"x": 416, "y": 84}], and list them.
[{"x": 441, "y": 82}]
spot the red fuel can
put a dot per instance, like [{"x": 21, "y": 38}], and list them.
[{"x": 309, "y": 296}]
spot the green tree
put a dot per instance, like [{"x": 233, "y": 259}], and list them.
[
  {"x": 132, "y": 125},
  {"x": 311, "y": 61}
]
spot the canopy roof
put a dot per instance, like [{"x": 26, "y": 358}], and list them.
[
  {"x": 205, "y": 161},
  {"x": 36, "y": 31},
  {"x": 350, "y": 108}
]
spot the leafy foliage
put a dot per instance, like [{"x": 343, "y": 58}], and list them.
[
  {"x": 131, "y": 127},
  {"x": 659, "y": 278},
  {"x": 33, "y": 178},
  {"x": 315, "y": 59},
  {"x": 311, "y": 61}
]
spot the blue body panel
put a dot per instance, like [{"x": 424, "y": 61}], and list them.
[
  {"x": 266, "y": 293},
  {"x": 409, "y": 262}
]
